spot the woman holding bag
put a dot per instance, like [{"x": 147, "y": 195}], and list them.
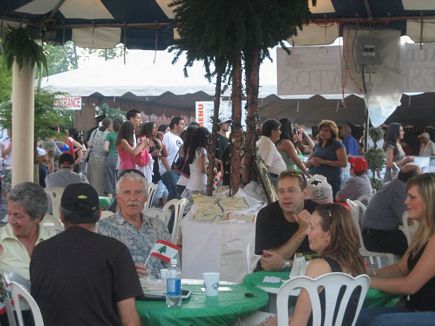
[{"x": 125, "y": 149}]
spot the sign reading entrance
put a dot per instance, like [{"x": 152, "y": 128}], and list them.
[{"x": 68, "y": 102}]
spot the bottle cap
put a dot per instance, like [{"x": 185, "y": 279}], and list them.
[{"x": 174, "y": 261}]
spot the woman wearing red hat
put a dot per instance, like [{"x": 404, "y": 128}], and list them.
[{"x": 359, "y": 183}]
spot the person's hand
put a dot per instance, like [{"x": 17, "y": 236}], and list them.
[
  {"x": 314, "y": 161},
  {"x": 271, "y": 261},
  {"x": 270, "y": 321},
  {"x": 303, "y": 219},
  {"x": 408, "y": 159},
  {"x": 142, "y": 270}
]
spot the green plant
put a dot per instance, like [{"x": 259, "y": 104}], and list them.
[
  {"x": 376, "y": 134},
  {"x": 19, "y": 44},
  {"x": 376, "y": 157}
]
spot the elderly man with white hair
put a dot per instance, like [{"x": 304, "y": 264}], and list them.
[{"x": 138, "y": 232}]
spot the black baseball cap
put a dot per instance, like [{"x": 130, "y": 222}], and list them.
[{"x": 80, "y": 198}]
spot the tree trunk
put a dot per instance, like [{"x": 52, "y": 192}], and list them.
[
  {"x": 215, "y": 129},
  {"x": 236, "y": 131},
  {"x": 252, "y": 68},
  {"x": 23, "y": 115}
]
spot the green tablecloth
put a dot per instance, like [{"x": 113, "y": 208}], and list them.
[
  {"x": 227, "y": 307},
  {"x": 374, "y": 298},
  {"x": 104, "y": 202}
]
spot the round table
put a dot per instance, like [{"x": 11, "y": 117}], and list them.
[
  {"x": 374, "y": 297},
  {"x": 230, "y": 305}
]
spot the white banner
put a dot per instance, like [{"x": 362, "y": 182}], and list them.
[
  {"x": 68, "y": 102},
  {"x": 204, "y": 113}
]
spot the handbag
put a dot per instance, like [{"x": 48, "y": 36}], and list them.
[
  {"x": 181, "y": 165},
  {"x": 143, "y": 158}
]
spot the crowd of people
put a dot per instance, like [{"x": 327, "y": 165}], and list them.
[{"x": 121, "y": 159}]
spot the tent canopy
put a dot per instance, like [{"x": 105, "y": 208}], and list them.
[{"x": 148, "y": 24}]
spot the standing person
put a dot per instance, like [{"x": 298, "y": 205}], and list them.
[
  {"x": 270, "y": 133},
  {"x": 329, "y": 155},
  {"x": 80, "y": 277},
  {"x": 126, "y": 148},
  {"x": 97, "y": 156},
  {"x": 285, "y": 145},
  {"x": 427, "y": 146},
  {"x": 198, "y": 161},
  {"x": 333, "y": 236},
  {"x": 112, "y": 158},
  {"x": 156, "y": 149},
  {"x": 350, "y": 143},
  {"x": 414, "y": 275},
  {"x": 136, "y": 119},
  {"x": 395, "y": 155},
  {"x": 222, "y": 142},
  {"x": 186, "y": 136},
  {"x": 75, "y": 147},
  {"x": 146, "y": 167},
  {"x": 173, "y": 142}
]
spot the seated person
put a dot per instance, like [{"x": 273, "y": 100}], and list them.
[
  {"x": 381, "y": 220},
  {"x": 280, "y": 229},
  {"x": 414, "y": 275},
  {"x": 138, "y": 232},
  {"x": 359, "y": 183},
  {"x": 333, "y": 235},
  {"x": 65, "y": 175},
  {"x": 79, "y": 277},
  {"x": 27, "y": 205}
]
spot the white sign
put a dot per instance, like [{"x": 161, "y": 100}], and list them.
[
  {"x": 68, "y": 102},
  {"x": 204, "y": 113}
]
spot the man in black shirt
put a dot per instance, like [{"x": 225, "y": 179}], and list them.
[
  {"x": 80, "y": 277},
  {"x": 281, "y": 227}
]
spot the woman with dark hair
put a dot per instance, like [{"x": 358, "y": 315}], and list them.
[
  {"x": 329, "y": 155},
  {"x": 186, "y": 136},
  {"x": 125, "y": 149},
  {"x": 270, "y": 134},
  {"x": 395, "y": 154},
  {"x": 112, "y": 158},
  {"x": 290, "y": 153},
  {"x": 156, "y": 148},
  {"x": 75, "y": 147},
  {"x": 414, "y": 274},
  {"x": 332, "y": 234},
  {"x": 198, "y": 161}
]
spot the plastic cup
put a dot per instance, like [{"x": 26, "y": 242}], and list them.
[{"x": 211, "y": 284}]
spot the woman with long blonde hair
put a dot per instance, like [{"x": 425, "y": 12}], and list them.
[{"x": 414, "y": 274}]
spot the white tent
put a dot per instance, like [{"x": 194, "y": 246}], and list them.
[{"x": 145, "y": 73}]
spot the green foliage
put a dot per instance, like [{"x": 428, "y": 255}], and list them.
[
  {"x": 376, "y": 134},
  {"x": 47, "y": 119},
  {"x": 5, "y": 81},
  {"x": 19, "y": 44},
  {"x": 376, "y": 160},
  {"x": 111, "y": 113}
]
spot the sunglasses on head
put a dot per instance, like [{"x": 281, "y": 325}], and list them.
[{"x": 131, "y": 171}]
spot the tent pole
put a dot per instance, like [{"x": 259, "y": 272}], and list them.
[{"x": 366, "y": 127}]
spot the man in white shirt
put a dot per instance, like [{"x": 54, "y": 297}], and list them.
[
  {"x": 65, "y": 175},
  {"x": 270, "y": 134},
  {"x": 173, "y": 143},
  {"x": 427, "y": 146}
]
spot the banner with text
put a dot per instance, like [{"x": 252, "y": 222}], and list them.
[
  {"x": 68, "y": 102},
  {"x": 204, "y": 113}
]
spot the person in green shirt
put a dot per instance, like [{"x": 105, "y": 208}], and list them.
[{"x": 112, "y": 158}]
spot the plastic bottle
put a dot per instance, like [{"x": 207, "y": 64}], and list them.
[{"x": 173, "y": 285}]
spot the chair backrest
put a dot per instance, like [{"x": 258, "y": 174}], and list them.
[
  {"x": 179, "y": 205},
  {"x": 51, "y": 222},
  {"x": 331, "y": 285},
  {"x": 19, "y": 291},
  {"x": 152, "y": 189},
  {"x": 365, "y": 198},
  {"x": 55, "y": 194}
]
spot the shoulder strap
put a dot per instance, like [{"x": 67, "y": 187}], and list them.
[{"x": 335, "y": 267}]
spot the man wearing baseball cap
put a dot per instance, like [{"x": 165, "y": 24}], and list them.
[
  {"x": 427, "y": 146},
  {"x": 359, "y": 183},
  {"x": 80, "y": 277}
]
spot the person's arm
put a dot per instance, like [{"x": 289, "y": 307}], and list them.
[
  {"x": 341, "y": 159},
  {"x": 106, "y": 145},
  {"x": 202, "y": 167},
  {"x": 129, "y": 149},
  {"x": 288, "y": 147},
  {"x": 274, "y": 259},
  {"x": 127, "y": 312},
  {"x": 413, "y": 281}
]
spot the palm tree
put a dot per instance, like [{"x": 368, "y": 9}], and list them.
[{"x": 230, "y": 32}]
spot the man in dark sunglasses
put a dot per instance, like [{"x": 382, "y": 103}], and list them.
[{"x": 281, "y": 227}]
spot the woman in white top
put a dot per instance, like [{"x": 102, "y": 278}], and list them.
[{"x": 198, "y": 161}]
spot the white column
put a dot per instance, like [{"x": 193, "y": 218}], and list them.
[{"x": 22, "y": 123}]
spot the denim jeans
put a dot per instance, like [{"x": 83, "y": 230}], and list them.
[
  {"x": 395, "y": 316},
  {"x": 169, "y": 179}
]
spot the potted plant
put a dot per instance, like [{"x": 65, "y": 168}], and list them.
[{"x": 375, "y": 157}]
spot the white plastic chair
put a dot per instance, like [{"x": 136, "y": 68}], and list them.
[
  {"x": 179, "y": 205},
  {"x": 365, "y": 198},
  {"x": 408, "y": 230},
  {"x": 19, "y": 291},
  {"x": 331, "y": 284},
  {"x": 51, "y": 222},
  {"x": 55, "y": 194},
  {"x": 358, "y": 207},
  {"x": 152, "y": 188}
]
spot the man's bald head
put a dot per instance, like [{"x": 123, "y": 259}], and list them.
[{"x": 408, "y": 171}]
